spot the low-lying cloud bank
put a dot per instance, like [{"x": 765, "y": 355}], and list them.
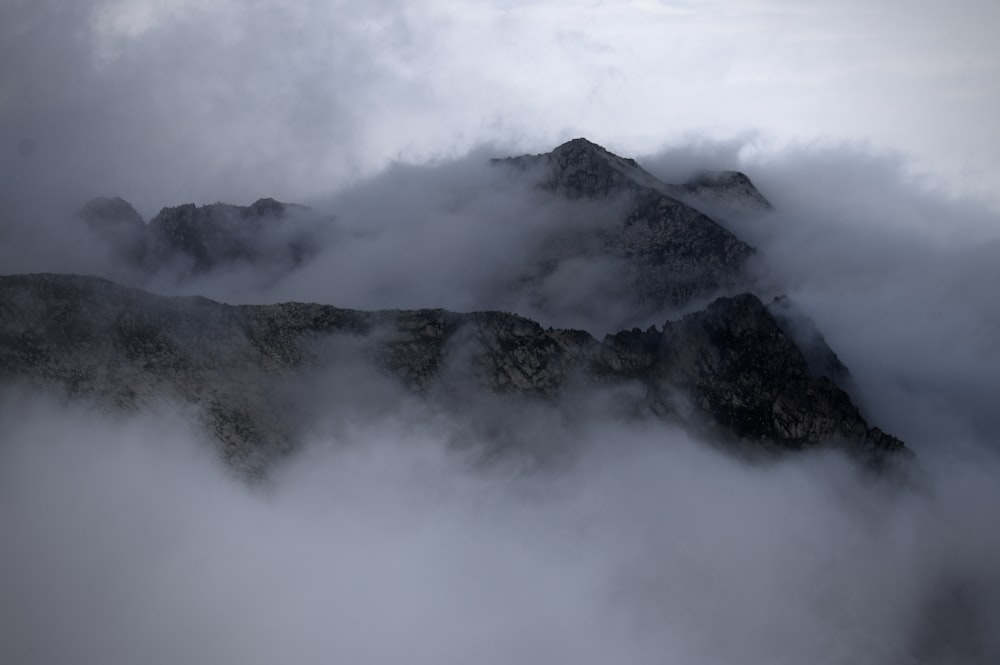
[{"x": 127, "y": 542}]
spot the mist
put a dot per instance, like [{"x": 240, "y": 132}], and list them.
[
  {"x": 127, "y": 540},
  {"x": 511, "y": 532},
  {"x": 898, "y": 276},
  {"x": 398, "y": 533}
]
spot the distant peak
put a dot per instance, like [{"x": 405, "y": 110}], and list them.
[
  {"x": 581, "y": 143},
  {"x": 266, "y": 206},
  {"x": 103, "y": 210},
  {"x": 732, "y": 188},
  {"x": 580, "y": 168},
  {"x": 581, "y": 148}
]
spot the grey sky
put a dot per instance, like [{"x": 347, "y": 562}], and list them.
[{"x": 177, "y": 100}]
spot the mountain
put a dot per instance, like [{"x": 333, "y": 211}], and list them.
[
  {"x": 190, "y": 240},
  {"x": 730, "y": 367},
  {"x": 756, "y": 377},
  {"x": 614, "y": 234},
  {"x": 664, "y": 253}
]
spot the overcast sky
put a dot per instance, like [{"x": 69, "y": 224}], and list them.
[{"x": 164, "y": 101}]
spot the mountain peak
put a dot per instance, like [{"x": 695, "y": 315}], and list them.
[
  {"x": 580, "y": 168},
  {"x": 582, "y": 147},
  {"x": 726, "y": 188}
]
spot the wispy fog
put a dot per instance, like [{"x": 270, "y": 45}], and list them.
[
  {"x": 900, "y": 279},
  {"x": 126, "y": 541}
]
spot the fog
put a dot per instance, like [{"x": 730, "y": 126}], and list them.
[
  {"x": 126, "y": 541},
  {"x": 398, "y": 533},
  {"x": 899, "y": 278}
]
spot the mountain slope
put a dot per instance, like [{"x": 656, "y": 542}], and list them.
[
  {"x": 730, "y": 366},
  {"x": 668, "y": 253}
]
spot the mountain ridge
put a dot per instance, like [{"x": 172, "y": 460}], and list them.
[
  {"x": 757, "y": 376},
  {"x": 121, "y": 346}
]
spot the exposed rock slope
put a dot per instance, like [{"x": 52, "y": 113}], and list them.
[
  {"x": 731, "y": 364},
  {"x": 667, "y": 253},
  {"x": 191, "y": 240},
  {"x": 752, "y": 374}
]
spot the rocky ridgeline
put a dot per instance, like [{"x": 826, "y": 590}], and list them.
[
  {"x": 190, "y": 240},
  {"x": 669, "y": 253},
  {"x": 646, "y": 247},
  {"x": 758, "y": 376},
  {"x": 730, "y": 367}
]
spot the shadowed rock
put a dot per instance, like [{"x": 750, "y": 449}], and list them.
[
  {"x": 731, "y": 365},
  {"x": 190, "y": 239},
  {"x": 665, "y": 253}
]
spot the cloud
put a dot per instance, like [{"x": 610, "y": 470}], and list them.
[
  {"x": 897, "y": 275},
  {"x": 171, "y": 102},
  {"x": 126, "y": 541}
]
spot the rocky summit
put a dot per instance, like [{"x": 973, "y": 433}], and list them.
[
  {"x": 730, "y": 366},
  {"x": 667, "y": 253},
  {"x": 756, "y": 376}
]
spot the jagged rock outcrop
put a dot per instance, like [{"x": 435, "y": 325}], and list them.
[
  {"x": 219, "y": 234},
  {"x": 731, "y": 364},
  {"x": 725, "y": 189},
  {"x": 622, "y": 233},
  {"x": 752, "y": 374},
  {"x": 664, "y": 253},
  {"x": 737, "y": 364},
  {"x": 190, "y": 240},
  {"x": 582, "y": 169}
]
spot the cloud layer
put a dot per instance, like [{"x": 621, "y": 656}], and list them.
[
  {"x": 232, "y": 100},
  {"x": 127, "y": 542}
]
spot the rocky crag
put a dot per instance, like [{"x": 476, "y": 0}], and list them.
[
  {"x": 189, "y": 240},
  {"x": 730, "y": 366},
  {"x": 667, "y": 253},
  {"x": 758, "y": 376}
]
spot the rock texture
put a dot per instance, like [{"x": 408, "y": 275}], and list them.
[
  {"x": 665, "y": 253},
  {"x": 754, "y": 375},
  {"x": 731, "y": 365},
  {"x": 191, "y": 240}
]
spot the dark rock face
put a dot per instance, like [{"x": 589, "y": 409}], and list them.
[
  {"x": 666, "y": 254},
  {"x": 731, "y": 364},
  {"x": 581, "y": 169},
  {"x": 218, "y": 234},
  {"x": 754, "y": 375},
  {"x": 191, "y": 239},
  {"x": 738, "y": 365}
]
